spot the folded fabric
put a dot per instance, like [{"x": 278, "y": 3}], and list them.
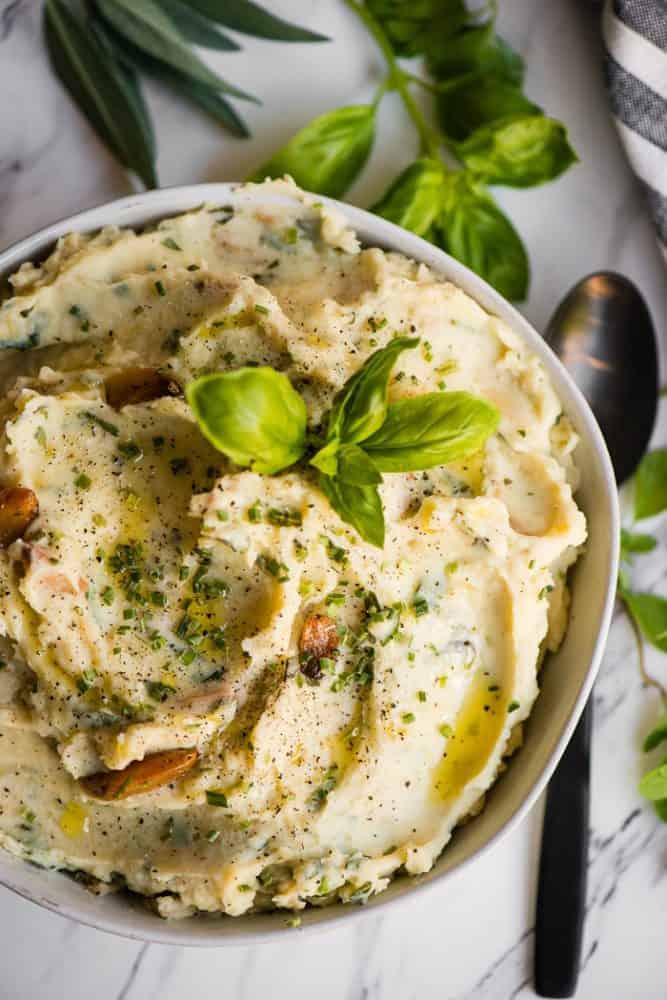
[{"x": 635, "y": 34}]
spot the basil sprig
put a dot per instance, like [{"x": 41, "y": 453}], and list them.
[{"x": 256, "y": 418}]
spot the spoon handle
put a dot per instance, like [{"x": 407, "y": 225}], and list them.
[{"x": 561, "y": 893}]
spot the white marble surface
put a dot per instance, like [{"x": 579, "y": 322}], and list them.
[{"x": 472, "y": 937}]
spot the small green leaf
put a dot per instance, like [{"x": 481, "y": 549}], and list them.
[
  {"x": 472, "y": 228},
  {"x": 409, "y": 26},
  {"x": 473, "y": 100},
  {"x": 657, "y": 735},
  {"x": 651, "y": 484},
  {"x": 361, "y": 406},
  {"x": 147, "y": 27},
  {"x": 414, "y": 200},
  {"x": 429, "y": 430},
  {"x": 196, "y": 28},
  {"x": 661, "y": 809},
  {"x": 650, "y": 613},
  {"x": 108, "y": 96},
  {"x": 653, "y": 785},
  {"x": 251, "y": 19},
  {"x": 252, "y": 415},
  {"x": 328, "y": 153},
  {"x": 634, "y": 542},
  {"x": 473, "y": 48},
  {"x": 519, "y": 152},
  {"x": 359, "y": 506},
  {"x": 355, "y": 467}
]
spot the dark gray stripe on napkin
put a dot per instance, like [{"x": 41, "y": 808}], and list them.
[
  {"x": 658, "y": 205},
  {"x": 638, "y": 107},
  {"x": 646, "y": 17}
]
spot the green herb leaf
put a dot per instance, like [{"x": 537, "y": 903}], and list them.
[
  {"x": 196, "y": 28},
  {"x": 361, "y": 406},
  {"x": 650, "y": 613},
  {"x": 661, "y": 809},
  {"x": 414, "y": 200},
  {"x": 251, "y": 19},
  {"x": 473, "y": 100},
  {"x": 147, "y": 27},
  {"x": 359, "y": 506},
  {"x": 328, "y": 153},
  {"x": 409, "y": 26},
  {"x": 429, "y": 430},
  {"x": 657, "y": 736},
  {"x": 472, "y": 48},
  {"x": 356, "y": 468},
  {"x": 651, "y": 484},
  {"x": 634, "y": 542},
  {"x": 520, "y": 152},
  {"x": 252, "y": 415},
  {"x": 108, "y": 96},
  {"x": 472, "y": 228},
  {"x": 653, "y": 785},
  {"x": 216, "y": 798}
]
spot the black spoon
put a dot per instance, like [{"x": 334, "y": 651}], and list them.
[{"x": 603, "y": 334}]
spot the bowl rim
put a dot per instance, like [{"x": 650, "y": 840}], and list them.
[{"x": 146, "y": 207}]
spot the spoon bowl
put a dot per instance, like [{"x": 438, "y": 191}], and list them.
[{"x": 603, "y": 333}]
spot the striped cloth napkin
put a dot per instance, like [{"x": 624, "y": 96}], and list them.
[{"x": 635, "y": 35}]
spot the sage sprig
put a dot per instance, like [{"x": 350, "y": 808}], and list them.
[
  {"x": 257, "y": 418},
  {"x": 484, "y": 121},
  {"x": 96, "y": 49}
]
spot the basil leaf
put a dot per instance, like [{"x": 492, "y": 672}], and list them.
[
  {"x": 650, "y": 613},
  {"x": 657, "y": 736},
  {"x": 252, "y": 415},
  {"x": 328, "y": 153},
  {"x": 472, "y": 228},
  {"x": 197, "y": 28},
  {"x": 478, "y": 99},
  {"x": 359, "y": 506},
  {"x": 414, "y": 199},
  {"x": 661, "y": 809},
  {"x": 251, "y": 19},
  {"x": 361, "y": 406},
  {"x": 473, "y": 48},
  {"x": 429, "y": 430},
  {"x": 356, "y": 468},
  {"x": 651, "y": 484},
  {"x": 410, "y": 25},
  {"x": 520, "y": 152},
  {"x": 653, "y": 785},
  {"x": 151, "y": 30},
  {"x": 108, "y": 96},
  {"x": 632, "y": 542},
  {"x": 210, "y": 101}
]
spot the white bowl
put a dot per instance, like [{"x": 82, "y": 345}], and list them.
[{"x": 568, "y": 675}]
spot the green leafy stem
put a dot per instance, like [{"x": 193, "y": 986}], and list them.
[{"x": 257, "y": 419}]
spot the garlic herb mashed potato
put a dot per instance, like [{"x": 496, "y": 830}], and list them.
[{"x": 213, "y": 691}]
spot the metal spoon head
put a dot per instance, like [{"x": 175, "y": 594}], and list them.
[{"x": 603, "y": 333}]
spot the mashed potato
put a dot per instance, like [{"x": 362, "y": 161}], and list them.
[{"x": 160, "y": 725}]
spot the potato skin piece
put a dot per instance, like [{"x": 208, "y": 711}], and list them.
[
  {"x": 18, "y": 509},
  {"x": 141, "y": 775},
  {"x": 138, "y": 385},
  {"x": 319, "y": 638}
]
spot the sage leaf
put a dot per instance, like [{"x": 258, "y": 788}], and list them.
[
  {"x": 196, "y": 28},
  {"x": 150, "y": 29},
  {"x": 472, "y": 228},
  {"x": 429, "y": 430},
  {"x": 356, "y": 467},
  {"x": 252, "y": 415},
  {"x": 210, "y": 101},
  {"x": 359, "y": 506},
  {"x": 634, "y": 542},
  {"x": 361, "y": 406},
  {"x": 520, "y": 152},
  {"x": 653, "y": 784},
  {"x": 108, "y": 96},
  {"x": 328, "y": 154},
  {"x": 251, "y": 19},
  {"x": 651, "y": 484},
  {"x": 477, "y": 99},
  {"x": 657, "y": 736},
  {"x": 414, "y": 200},
  {"x": 650, "y": 613}
]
